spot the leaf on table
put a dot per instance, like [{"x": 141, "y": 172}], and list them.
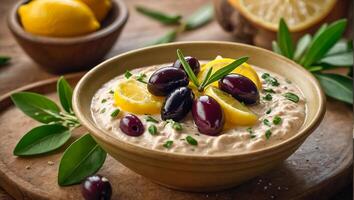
[
  {"x": 168, "y": 37},
  {"x": 83, "y": 158},
  {"x": 342, "y": 60},
  {"x": 159, "y": 16},
  {"x": 201, "y": 17},
  {"x": 37, "y": 106},
  {"x": 4, "y": 60},
  {"x": 65, "y": 93},
  {"x": 301, "y": 46},
  {"x": 284, "y": 40},
  {"x": 337, "y": 86},
  {"x": 42, "y": 139},
  {"x": 323, "y": 41}
]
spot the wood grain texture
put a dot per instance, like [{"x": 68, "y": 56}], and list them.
[{"x": 315, "y": 172}]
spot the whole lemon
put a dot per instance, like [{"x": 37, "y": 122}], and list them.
[
  {"x": 57, "y": 18},
  {"x": 99, "y": 7}
]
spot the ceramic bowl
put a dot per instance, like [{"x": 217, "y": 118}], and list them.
[
  {"x": 58, "y": 55},
  {"x": 193, "y": 172}
]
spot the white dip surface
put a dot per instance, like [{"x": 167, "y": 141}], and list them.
[{"x": 235, "y": 140}]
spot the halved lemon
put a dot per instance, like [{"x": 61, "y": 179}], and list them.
[
  {"x": 299, "y": 14},
  {"x": 133, "y": 96},
  {"x": 245, "y": 70},
  {"x": 235, "y": 112}
]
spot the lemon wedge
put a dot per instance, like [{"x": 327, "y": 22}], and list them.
[
  {"x": 133, "y": 96},
  {"x": 299, "y": 14},
  {"x": 244, "y": 69},
  {"x": 235, "y": 112}
]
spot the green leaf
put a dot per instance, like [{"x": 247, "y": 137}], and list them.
[
  {"x": 187, "y": 68},
  {"x": 337, "y": 86},
  {"x": 168, "y": 37},
  {"x": 292, "y": 97},
  {"x": 83, "y": 158},
  {"x": 284, "y": 40},
  {"x": 277, "y": 120},
  {"x": 201, "y": 17},
  {"x": 226, "y": 70},
  {"x": 268, "y": 133},
  {"x": 151, "y": 119},
  {"x": 42, "y": 139},
  {"x": 344, "y": 59},
  {"x": 159, "y": 16},
  {"x": 275, "y": 47},
  {"x": 191, "y": 140},
  {"x": 342, "y": 46},
  {"x": 168, "y": 144},
  {"x": 152, "y": 129},
  {"x": 206, "y": 78},
  {"x": 350, "y": 72},
  {"x": 37, "y": 106},
  {"x": 301, "y": 46},
  {"x": 65, "y": 93},
  {"x": 315, "y": 68},
  {"x": 4, "y": 60},
  {"x": 323, "y": 41}
]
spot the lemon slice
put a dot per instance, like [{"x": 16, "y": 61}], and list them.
[
  {"x": 245, "y": 70},
  {"x": 235, "y": 112},
  {"x": 133, "y": 96},
  {"x": 299, "y": 14}
]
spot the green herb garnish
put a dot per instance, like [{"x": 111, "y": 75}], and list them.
[
  {"x": 292, "y": 97},
  {"x": 276, "y": 120},
  {"x": 269, "y": 90},
  {"x": 210, "y": 77},
  {"x": 103, "y": 110},
  {"x": 191, "y": 140},
  {"x": 141, "y": 78},
  {"x": 103, "y": 100},
  {"x": 175, "y": 125},
  {"x": 111, "y": 92},
  {"x": 268, "y": 97},
  {"x": 168, "y": 144},
  {"x": 321, "y": 52},
  {"x": 269, "y": 111},
  {"x": 4, "y": 60},
  {"x": 267, "y": 122},
  {"x": 252, "y": 135},
  {"x": 159, "y": 16},
  {"x": 152, "y": 129},
  {"x": 115, "y": 113},
  {"x": 151, "y": 119},
  {"x": 268, "y": 133},
  {"x": 128, "y": 74}
]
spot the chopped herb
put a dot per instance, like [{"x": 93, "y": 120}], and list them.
[
  {"x": 141, "y": 78},
  {"x": 168, "y": 144},
  {"x": 252, "y": 135},
  {"x": 269, "y": 111},
  {"x": 270, "y": 80},
  {"x": 191, "y": 140},
  {"x": 175, "y": 125},
  {"x": 152, "y": 129},
  {"x": 267, "y": 122},
  {"x": 103, "y": 110},
  {"x": 265, "y": 75},
  {"x": 269, "y": 90},
  {"x": 128, "y": 74},
  {"x": 268, "y": 97},
  {"x": 151, "y": 119},
  {"x": 292, "y": 97},
  {"x": 104, "y": 101},
  {"x": 115, "y": 113},
  {"x": 276, "y": 120},
  {"x": 111, "y": 92},
  {"x": 268, "y": 133}
]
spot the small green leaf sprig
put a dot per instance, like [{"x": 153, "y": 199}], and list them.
[
  {"x": 82, "y": 158},
  {"x": 210, "y": 77},
  {"x": 198, "y": 19},
  {"x": 320, "y": 52}
]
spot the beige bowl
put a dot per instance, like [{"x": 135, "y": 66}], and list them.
[{"x": 192, "y": 172}]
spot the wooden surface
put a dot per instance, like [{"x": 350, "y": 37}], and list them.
[{"x": 328, "y": 151}]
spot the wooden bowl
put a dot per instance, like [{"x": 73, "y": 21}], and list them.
[
  {"x": 193, "y": 172},
  {"x": 58, "y": 55}
]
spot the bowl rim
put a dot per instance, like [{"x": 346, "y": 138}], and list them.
[
  {"x": 161, "y": 155},
  {"x": 17, "y": 28}
]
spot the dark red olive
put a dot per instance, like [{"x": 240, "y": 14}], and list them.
[
  {"x": 208, "y": 115},
  {"x": 177, "y": 104},
  {"x": 165, "y": 80},
  {"x": 193, "y": 63},
  {"x": 240, "y": 87},
  {"x": 96, "y": 187},
  {"x": 131, "y": 125}
]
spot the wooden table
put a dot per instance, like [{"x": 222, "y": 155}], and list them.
[{"x": 138, "y": 32}]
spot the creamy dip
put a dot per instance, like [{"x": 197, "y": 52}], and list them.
[{"x": 235, "y": 140}]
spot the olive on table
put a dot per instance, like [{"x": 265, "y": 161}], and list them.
[
  {"x": 177, "y": 104},
  {"x": 208, "y": 115},
  {"x": 96, "y": 187},
  {"x": 131, "y": 125},
  {"x": 193, "y": 63},
  {"x": 240, "y": 87},
  {"x": 165, "y": 80}
]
